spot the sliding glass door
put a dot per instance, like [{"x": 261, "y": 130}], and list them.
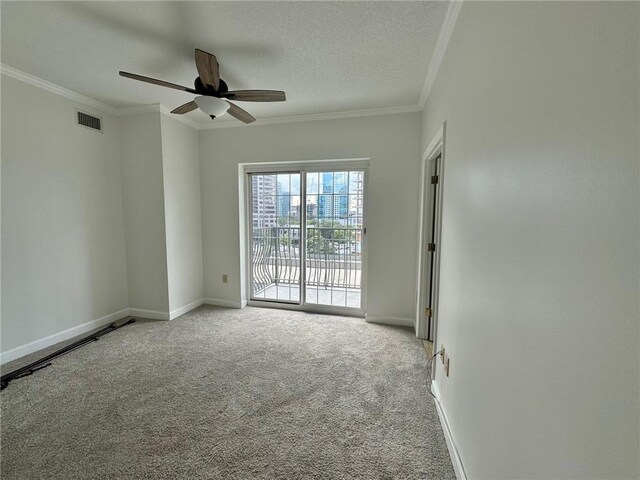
[{"x": 306, "y": 232}]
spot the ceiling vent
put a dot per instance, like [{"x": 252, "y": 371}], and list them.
[{"x": 89, "y": 121}]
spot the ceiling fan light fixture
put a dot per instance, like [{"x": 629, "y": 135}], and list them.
[
  {"x": 212, "y": 105},
  {"x": 213, "y": 91}
]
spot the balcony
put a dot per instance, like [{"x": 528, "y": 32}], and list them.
[{"x": 333, "y": 265}]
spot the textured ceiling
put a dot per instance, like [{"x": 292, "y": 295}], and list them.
[{"x": 327, "y": 56}]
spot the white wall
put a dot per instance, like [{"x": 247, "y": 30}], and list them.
[
  {"x": 144, "y": 215},
  {"x": 63, "y": 249},
  {"x": 181, "y": 170},
  {"x": 85, "y": 237},
  {"x": 390, "y": 141},
  {"x": 161, "y": 181},
  {"x": 539, "y": 273}
]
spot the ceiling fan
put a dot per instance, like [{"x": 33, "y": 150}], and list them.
[{"x": 213, "y": 92}]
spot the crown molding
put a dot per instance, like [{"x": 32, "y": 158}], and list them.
[
  {"x": 155, "y": 108},
  {"x": 434, "y": 65},
  {"x": 314, "y": 117},
  {"x": 53, "y": 88},
  {"x": 443, "y": 41},
  {"x": 88, "y": 101},
  {"x": 158, "y": 108}
]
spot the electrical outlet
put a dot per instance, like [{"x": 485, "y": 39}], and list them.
[
  {"x": 442, "y": 354},
  {"x": 225, "y": 278},
  {"x": 446, "y": 366}
]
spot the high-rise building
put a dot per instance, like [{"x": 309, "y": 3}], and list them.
[
  {"x": 312, "y": 210},
  {"x": 333, "y": 200},
  {"x": 284, "y": 201},
  {"x": 325, "y": 199},
  {"x": 356, "y": 186},
  {"x": 263, "y": 193}
]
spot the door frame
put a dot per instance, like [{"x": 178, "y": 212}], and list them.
[
  {"x": 435, "y": 149},
  {"x": 304, "y": 167}
]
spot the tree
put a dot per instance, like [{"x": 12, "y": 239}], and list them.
[
  {"x": 318, "y": 244},
  {"x": 290, "y": 220}
]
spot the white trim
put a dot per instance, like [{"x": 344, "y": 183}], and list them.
[
  {"x": 185, "y": 308},
  {"x": 150, "y": 314},
  {"x": 385, "y": 320},
  {"x": 448, "y": 435},
  {"x": 436, "y": 146},
  {"x": 244, "y": 252},
  {"x": 434, "y": 65},
  {"x": 45, "y": 342},
  {"x": 303, "y": 167},
  {"x": 367, "y": 112},
  {"x": 441, "y": 47},
  {"x": 338, "y": 164},
  {"x": 436, "y": 142},
  {"x": 53, "y": 88},
  {"x": 156, "y": 107},
  {"x": 223, "y": 303}
]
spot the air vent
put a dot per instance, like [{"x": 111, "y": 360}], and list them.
[{"x": 89, "y": 121}]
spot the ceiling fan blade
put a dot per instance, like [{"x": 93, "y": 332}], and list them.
[
  {"x": 186, "y": 108},
  {"x": 208, "y": 69},
  {"x": 240, "y": 114},
  {"x": 256, "y": 95},
  {"x": 155, "y": 81}
]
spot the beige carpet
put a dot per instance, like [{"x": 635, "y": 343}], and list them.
[{"x": 221, "y": 393}]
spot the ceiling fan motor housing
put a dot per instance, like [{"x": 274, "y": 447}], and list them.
[{"x": 203, "y": 89}]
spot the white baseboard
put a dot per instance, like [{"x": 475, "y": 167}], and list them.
[
  {"x": 45, "y": 342},
  {"x": 186, "y": 308},
  {"x": 224, "y": 303},
  {"x": 384, "y": 320},
  {"x": 150, "y": 314},
  {"x": 448, "y": 436}
]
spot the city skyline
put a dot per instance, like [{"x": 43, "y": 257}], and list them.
[{"x": 334, "y": 196}]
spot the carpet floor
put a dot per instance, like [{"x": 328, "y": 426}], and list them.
[{"x": 228, "y": 394}]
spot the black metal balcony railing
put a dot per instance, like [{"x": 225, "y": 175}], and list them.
[{"x": 333, "y": 257}]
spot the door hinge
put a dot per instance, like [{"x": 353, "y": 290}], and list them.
[
  {"x": 434, "y": 179},
  {"x": 431, "y": 247},
  {"x": 364, "y": 230},
  {"x": 428, "y": 312}
]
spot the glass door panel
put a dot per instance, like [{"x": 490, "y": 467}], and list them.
[
  {"x": 333, "y": 231},
  {"x": 275, "y": 216}
]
